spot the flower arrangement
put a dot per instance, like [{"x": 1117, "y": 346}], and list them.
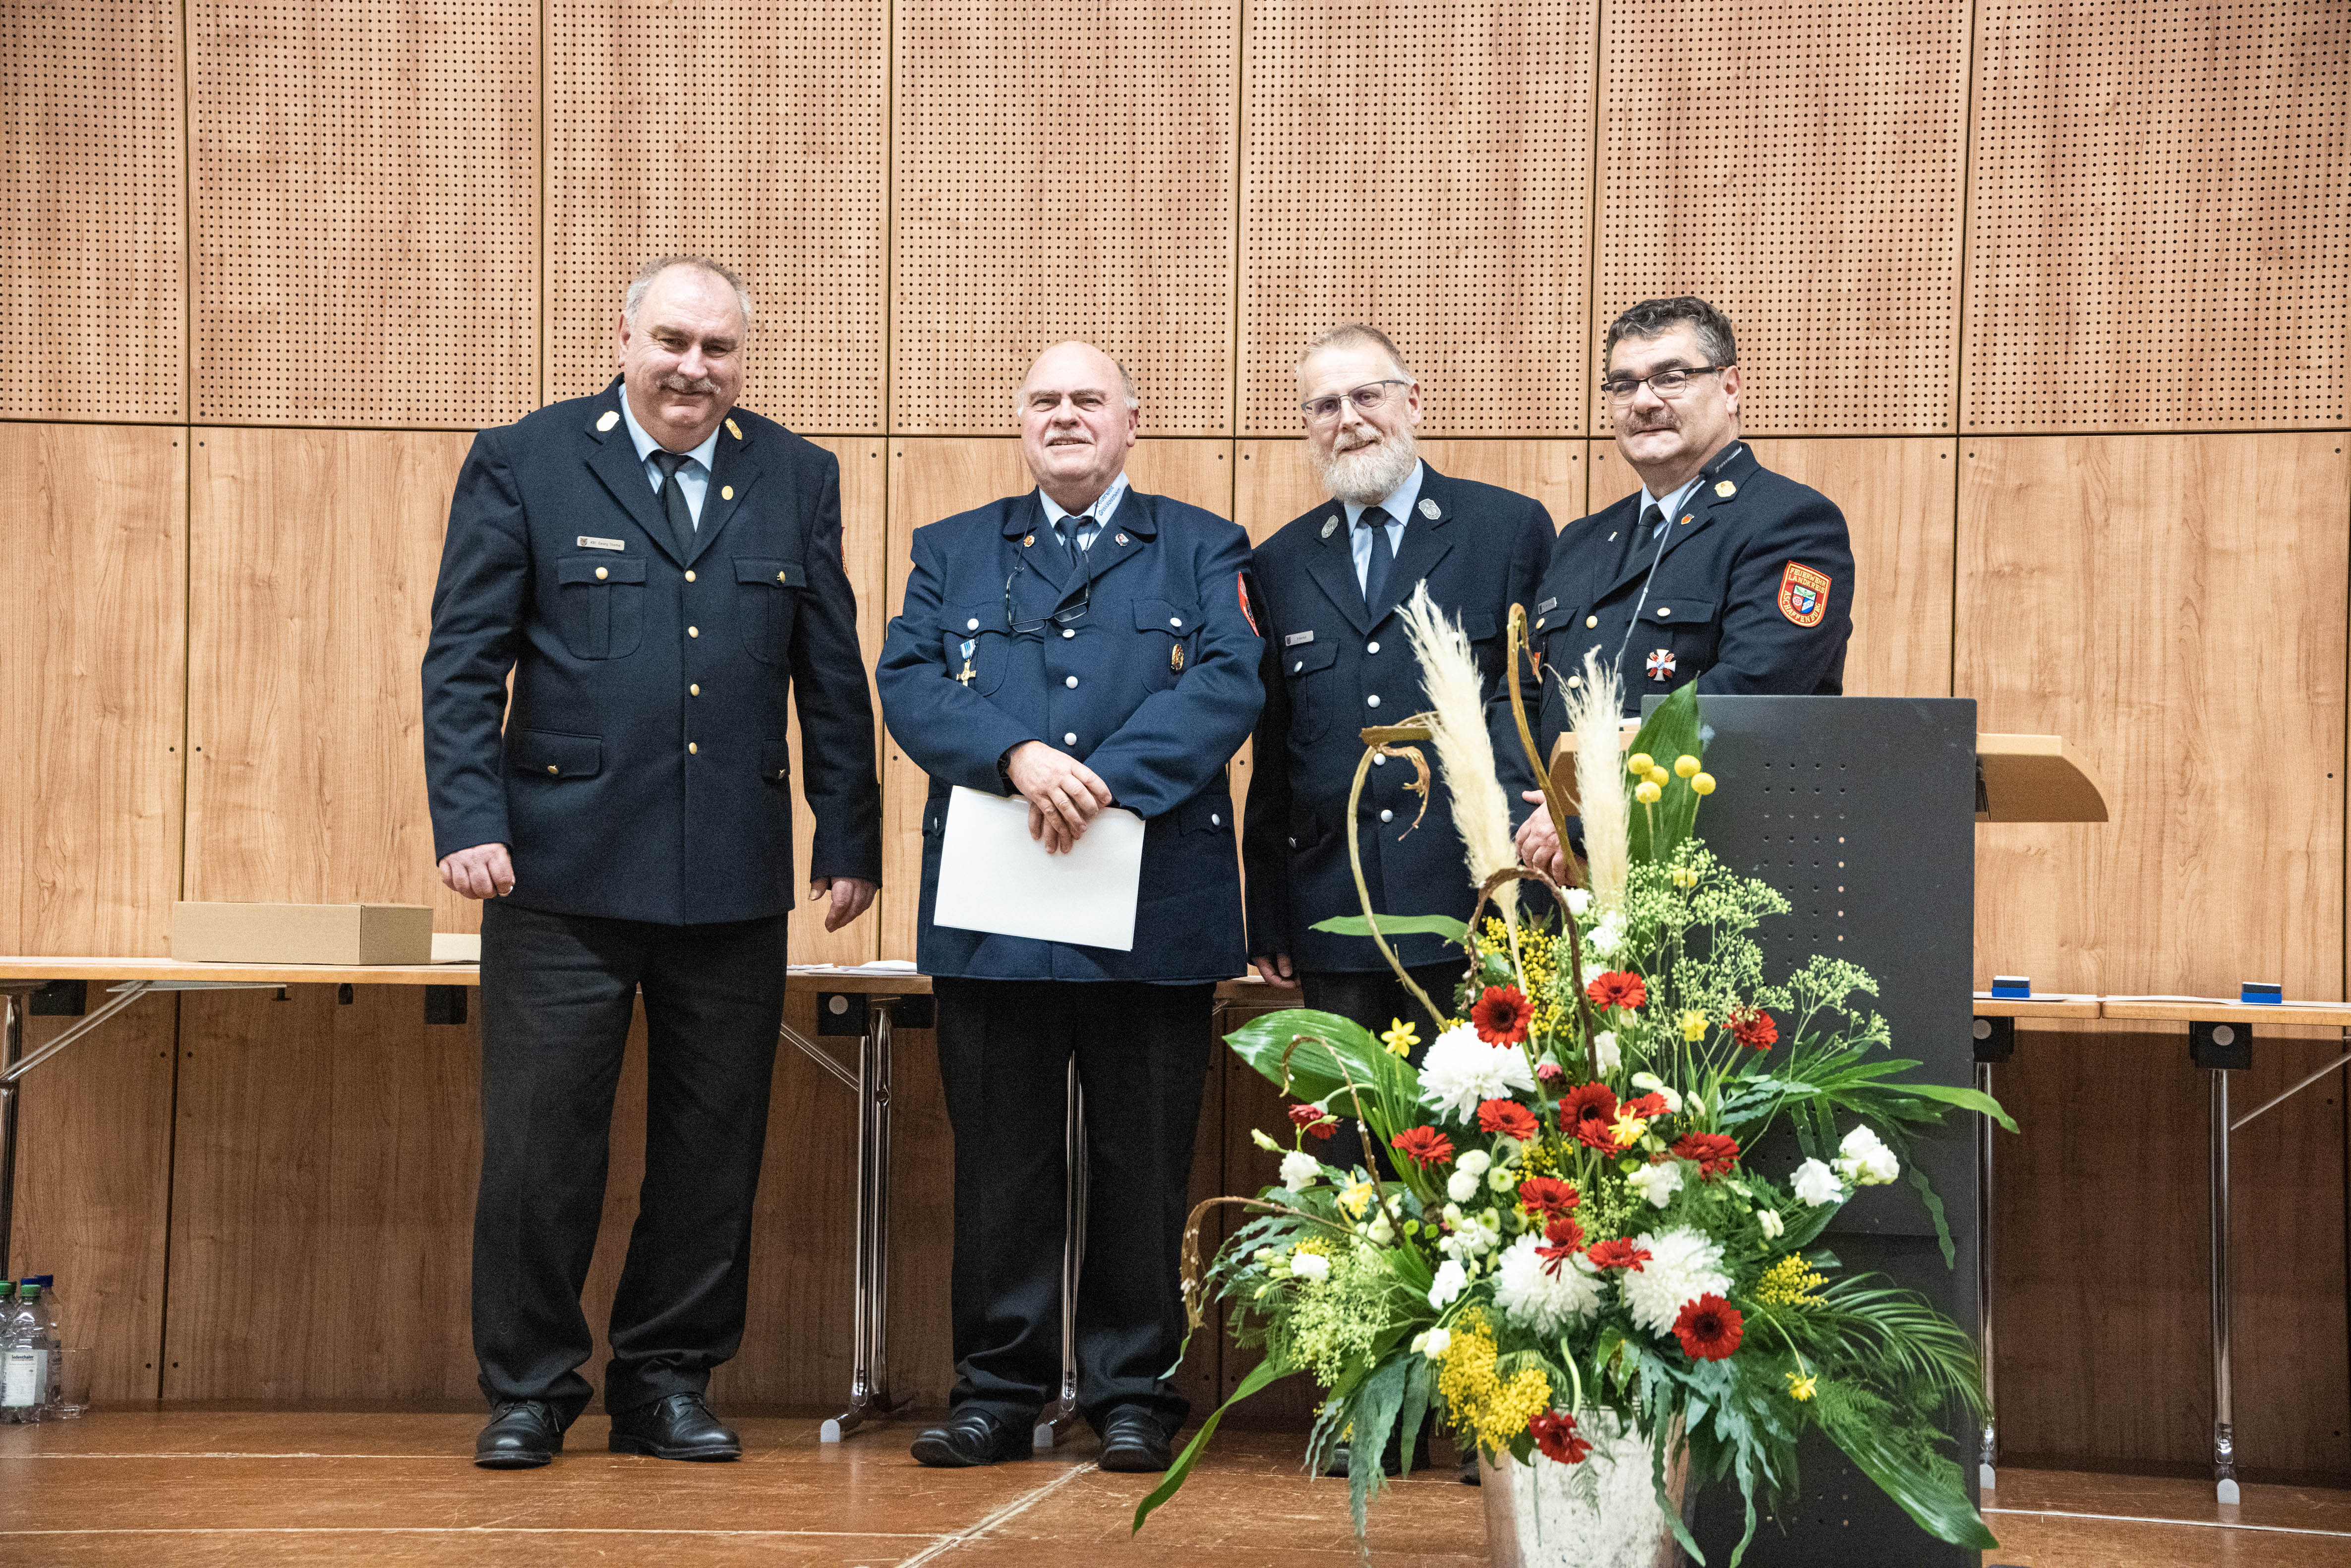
[{"x": 1574, "y": 1240}]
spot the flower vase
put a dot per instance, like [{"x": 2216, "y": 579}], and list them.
[{"x": 1600, "y": 1512}]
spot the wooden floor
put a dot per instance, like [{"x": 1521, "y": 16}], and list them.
[{"x": 205, "y": 1488}]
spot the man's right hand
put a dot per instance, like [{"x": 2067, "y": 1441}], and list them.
[
  {"x": 1539, "y": 841},
  {"x": 1063, "y": 793},
  {"x": 1274, "y": 970},
  {"x": 485, "y": 871}
]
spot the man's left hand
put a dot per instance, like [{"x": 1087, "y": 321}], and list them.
[{"x": 850, "y": 896}]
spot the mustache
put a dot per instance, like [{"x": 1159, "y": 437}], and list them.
[{"x": 678, "y": 384}]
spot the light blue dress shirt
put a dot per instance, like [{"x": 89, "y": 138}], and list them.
[
  {"x": 1399, "y": 507},
  {"x": 1671, "y": 506},
  {"x": 1105, "y": 505},
  {"x": 693, "y": 474}
]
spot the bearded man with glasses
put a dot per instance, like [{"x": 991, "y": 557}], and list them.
[{"x": 1717, "y": 571}]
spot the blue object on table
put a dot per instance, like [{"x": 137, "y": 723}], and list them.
[
  {"x": 2011, "y": 988},
  {"x": 2253, "y": 993}
]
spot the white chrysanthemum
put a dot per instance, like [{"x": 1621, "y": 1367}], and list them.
[
  {"x": 1310, "y": 1265},
  {"x": 1537, "y": 1301},
  {"x": 1815, "y": 1183},
  {"x": 1474, "y": 1161},
  {"x": 1461, "y": 1187},
  {"x": 1460, "y": 1071},
  {"x": 1682, "y": 1265},
  {"x": 1863, "y": 1159},
  {"x": 1603, "y": 938},
  {"x": 1604, "y": 1046},
  {"x": 1656, "y": 1183},
  {"x": 1300, "y": 1170},
  {"x": 1450, "y": 1281},
  {"x": 1579, "y": 899}
]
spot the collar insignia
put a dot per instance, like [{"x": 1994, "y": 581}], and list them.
[
  {"x": 1428, "y": 508},
  {"x": 611, "y": 418}
]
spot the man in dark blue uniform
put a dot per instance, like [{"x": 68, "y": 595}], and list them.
[
  {"x": 657, "y": 568},
  {"x": 1717, "y": 570},
  {"x": 1337, "y": 660},
  {"x": 1085, "y": 647}
]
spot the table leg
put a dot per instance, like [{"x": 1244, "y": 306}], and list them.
[
  {"x": 1987, "y": 1455},
  {"x": 869, "y": 1392},
  {"x": 2224, "y": 1442},
  {"x": 1057, "y": 1423}
]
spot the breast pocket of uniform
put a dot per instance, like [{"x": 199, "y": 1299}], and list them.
[
  {"x": 1175, "y": 642},
  {"x": 977, "y": 646},
  {"x": 600, "y": 607},
  {"x": 767, "y": 595},
  {"x": 1313, "y": 688},
  {"x": 1675, "y": 643}
]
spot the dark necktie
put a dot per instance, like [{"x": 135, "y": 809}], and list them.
[
  {"x": 1376, "y": 576},
  {"x": 1076, "y": 534},
  {"x": 1641, "y": 549},
  {"x": 672, "y": 500}
]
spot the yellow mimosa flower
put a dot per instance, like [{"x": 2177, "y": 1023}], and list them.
[
  {"x": 1684, "y": 765},
  {"x": 1399, "y": 1037}
]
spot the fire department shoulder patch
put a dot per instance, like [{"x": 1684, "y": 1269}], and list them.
[
  {"x": 1803, "y": 594},
  {"x": 1240, "y": 586}
]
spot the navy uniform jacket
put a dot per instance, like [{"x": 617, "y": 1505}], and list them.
[
  {"x": 1154, "y": 687},
  {"x": 1327, "y": 659},
  {"x": 642, "y": 773},
  {"x": 1753, "y": 596}
]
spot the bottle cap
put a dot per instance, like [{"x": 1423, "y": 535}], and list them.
[
  {"x": 29, "y": 1291},
  {"x": 7, "y": 1289}
]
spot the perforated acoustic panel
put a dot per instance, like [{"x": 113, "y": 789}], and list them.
[
  {"x": 92, "y": 296},
  {"x": 1063, "y": 172},
  {"x": 1426, "y": 167},
  {"x": 2159, "y": 216},
  {"x": 1800, "y": 165},
  {"x": 366, "y": 211},
  {"x": 750, "y": 133}
]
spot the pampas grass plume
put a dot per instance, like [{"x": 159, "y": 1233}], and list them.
[
  {"x": 1592, "y": 717},
  {"x": 1465, "y": 751}
]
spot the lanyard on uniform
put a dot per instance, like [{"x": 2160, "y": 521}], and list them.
[{"x": 1665, "y": 532}]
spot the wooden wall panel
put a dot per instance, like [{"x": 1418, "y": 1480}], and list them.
[
  {"x": 1427, "y": 168},
  {"x": 2157, "y": 208},
  {"x": 930, "y": 480},
  {"x": 94, "y": 1185},
  {"x": 1059, "y": 174},
  {"x": 2091, "y": 573},
  {"x": 92, "y": 527},
  {"x": 93, "y": 286},
  {"x": 305, "y": 711},
  {"x": 366, "y": 212},
  {"x": 1802, "y": 167},
  {"x": 748, "y": 131}
]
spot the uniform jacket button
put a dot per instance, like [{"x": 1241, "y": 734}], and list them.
[
  {"x": 1379, "y": 760},
  {"x": 1592, "y": 621},
  {"x": 694, "y": 631},
  {"x": 1387, "y": 816},
  {"x": 1174, "y": 621},
  {"x": 1371, "y": 648},
  {"x": 689, "y": 577},
  {"x": 692, "y": 749},
  {"x": 971, "y": 625},
  {"x": 1216, "y": 819},
  {"x": 551, "y": 768},
  {"x": 1069, "y": 631},
  {"x": 1071, "y": 681},
  {"x": 602, "y": 574},
  {"x": 1372, "y": 701},
  {"x": 1070, "y": 739}
]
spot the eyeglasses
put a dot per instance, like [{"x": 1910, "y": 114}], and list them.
[
  {"x": 1369, "y": 398},
  {"x": 1664, "y": 383},
  {"x": 1066, "y": 616}
]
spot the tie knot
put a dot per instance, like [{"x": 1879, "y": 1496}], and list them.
[
  {"x": 1652, "y": 514},
  {"x": 1374, "y": 517},
  {"x": 668, "y": 462}
]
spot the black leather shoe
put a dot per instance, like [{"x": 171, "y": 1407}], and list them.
[
  {"x": 522, "y": 1435},
  {"x": 678, "y": 1428},
  {"x": 1134, "y": 1443},
  {"x": 972, "y": 1437}
]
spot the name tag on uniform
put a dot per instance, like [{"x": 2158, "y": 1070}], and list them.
[
  {"x": 1295, "y": 638},
  {"x": 585, "y": 542},
  {"x": 1547, "y": 606}
]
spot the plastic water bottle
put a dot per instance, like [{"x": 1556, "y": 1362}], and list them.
[
  {"x": 24, "y": 1357},
  {"x": 52, "y": 1309}
]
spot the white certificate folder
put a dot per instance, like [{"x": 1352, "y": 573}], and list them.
[{"x": 994, "y": 877}]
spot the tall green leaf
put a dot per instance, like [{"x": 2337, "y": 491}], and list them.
[
  {"x": 1314, "y": 1055},
  {"x": 1932, "y": 1495},
  {"x": 1444, "y": 925},
  {"x": 1269, "y": 1370},
  {"x": 1669, "y": 733}
]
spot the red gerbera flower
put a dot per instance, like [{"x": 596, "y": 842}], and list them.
[
  {"x": 1501, "y": 1015},
  {"x": 1646, "y": 1106},
  {"x": 1554, "y": 1434},
  {"x": 1714, "y": 1152},
  {"x": 1564, "y": 1239},
  {"x": 1709, "y": 1328},
  {"x": 1585, "y": 1113},
  {"x": 1425, "y": 1146},
  {"x": 1753, "y": 1027},
  {"x": 1618, "y": 1253},
  {"x": 1549, "y": 1195},
  {"x": 1315, "y": 1121},
  {"x": 1508, "y": 1118},
  {"x": 1617, "y": 988}
]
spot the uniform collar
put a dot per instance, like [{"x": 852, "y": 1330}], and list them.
[
  {"x": 1099, "y": 510},
  {"x": 1399, "y": 502},
  {"x": 646, "y": 445}
]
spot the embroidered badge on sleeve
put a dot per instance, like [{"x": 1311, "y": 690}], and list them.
[
  {"x": 1240, "y": 586},
  {"x": 1803, "y": 594}
]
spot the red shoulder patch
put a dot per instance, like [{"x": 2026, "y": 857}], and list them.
[
  {"x": 1803, "y": 594},
  {"x": 1240, "y": 585}
]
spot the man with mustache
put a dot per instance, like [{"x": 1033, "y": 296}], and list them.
[
  {"x": 1717, "y": 570},
  {"x": 1085, "y": 647},
  {"x": 657, "y": 568}
]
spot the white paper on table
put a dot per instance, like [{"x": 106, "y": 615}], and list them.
[{"x": 994, "y": 877}]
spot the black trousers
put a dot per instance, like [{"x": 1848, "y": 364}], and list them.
[
  {"x": 1377, "y": 999},
  {"x": 1143, "y": 1059},
  {"x": 557, "y": 994}
]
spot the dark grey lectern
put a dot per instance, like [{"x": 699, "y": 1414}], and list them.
[{"x": 1861, "y": 811}]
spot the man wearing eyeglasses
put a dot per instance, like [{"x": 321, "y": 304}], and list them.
[
  {"x": 1717, "y": 570},
  {"x": 1082, "y": 646},
  {"x": 1337, "y": 661}
]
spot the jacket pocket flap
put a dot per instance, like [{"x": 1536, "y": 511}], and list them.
[
  {"x": 553, "y": 754},
  {"x": 1165, "y": 616},
  {"x": 1204, "y": 813},
  {"x": 971, "y": 619},
  {"x": 1478, "y": 625},
  {"x": 775, "y": 761},
  {"x": 770, "y": 570},
  {"x": 1308, "y": 657},
  {"x": 600, "y": 569},
  {"x": 1674, "y": 612}
]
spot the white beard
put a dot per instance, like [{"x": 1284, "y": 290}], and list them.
[{"x": 1369, "y": 474}]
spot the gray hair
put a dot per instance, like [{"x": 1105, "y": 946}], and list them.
[
  {"x": 1125, "y": 376},
  {"x": 642, "y": 283},
  {"x": 1356, "y": 335},
  {"x": 1655, "y": 318}
]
